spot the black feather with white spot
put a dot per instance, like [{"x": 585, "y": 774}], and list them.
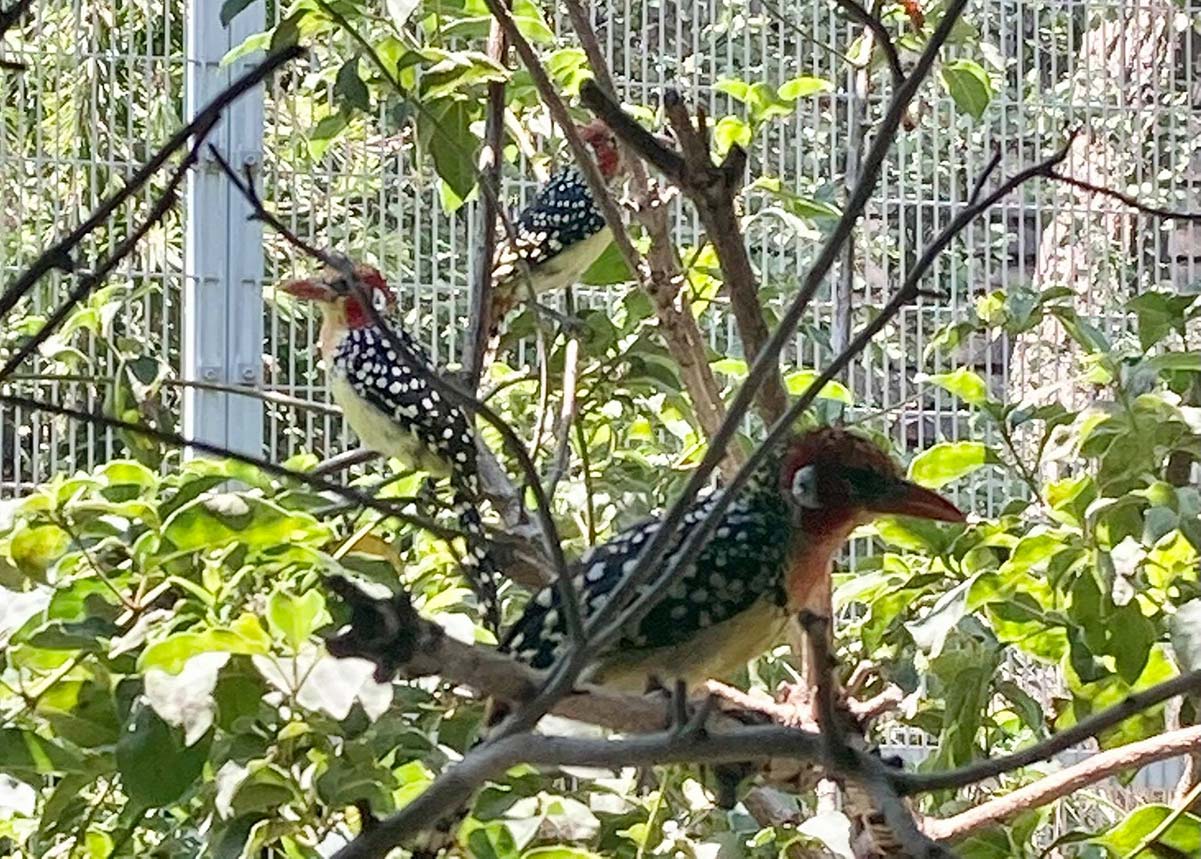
[
  {"x": 394, "y": 384},
  {"x": 744, "y": 561},
  {"x": 562, "y": 214}
]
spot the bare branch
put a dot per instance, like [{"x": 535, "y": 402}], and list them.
[
  {"x": 89, "y": 282},
  {"x": 1126, "y": 199},
  {"x": 1091, "y": 770},
  {"x": 567, "y": 413},
  {"x": 60, "y": 254},
  {"x": 909, "y": 783},
  {"x": 712, "y": 188},
  {"x": 344, "y": 460}
]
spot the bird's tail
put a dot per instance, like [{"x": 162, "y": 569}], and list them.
[
  {"x": 503, "y": 298},
  {"x": 479, "y": 565}
]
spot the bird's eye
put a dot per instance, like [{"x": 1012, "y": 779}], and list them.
[
  {"x": 380, "y": 300},
  {"x": 804, "y": 487}
]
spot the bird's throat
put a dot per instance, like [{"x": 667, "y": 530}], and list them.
[{"x": 811, "y": 561}]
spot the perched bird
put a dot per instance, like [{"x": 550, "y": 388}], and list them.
[
  {"x": 387, "y": 401},
  {"x": 558, "y": 235},
  {"x": 769, "y": 557}
]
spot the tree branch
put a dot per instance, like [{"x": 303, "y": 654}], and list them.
[
  {"x": 712, "y": 188},
  {"x": 88, "y": 283},
  {"x": 1083, "y": 730},
  {"x": 1093, "y": 769},
  {"x": 661, "y": 278}
]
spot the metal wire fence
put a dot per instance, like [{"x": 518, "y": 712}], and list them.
[{"x": 103, "y": 85}]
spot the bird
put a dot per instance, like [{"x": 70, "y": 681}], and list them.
[
  {"x": 769, "y": 559},
  {"x": 386, "y": 397},
  {"x": 559, "y": 235}
]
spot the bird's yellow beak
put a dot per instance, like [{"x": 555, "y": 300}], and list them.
[
  {"x": 309, "y": 290},
  {"x": 906, "y": 498}
]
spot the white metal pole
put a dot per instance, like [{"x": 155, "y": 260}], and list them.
[{"x": 223, "y": 252}]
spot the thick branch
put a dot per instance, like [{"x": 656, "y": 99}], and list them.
[
  {"x": 1093, "y": 769},
  {"x": 712, "y": 188}
]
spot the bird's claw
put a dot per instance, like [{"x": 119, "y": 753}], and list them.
[{"x": 569, "y": 324}]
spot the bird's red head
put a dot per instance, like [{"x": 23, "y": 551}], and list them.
[
  {"x": 334, "y": 293},
  {"x": 603, "y": 142},
  {"x": 837, "y": 479}
]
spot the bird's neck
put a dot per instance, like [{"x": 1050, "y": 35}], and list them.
[
  {"x": 334, "y": 328},
  {"x": 815, "y": 543}
]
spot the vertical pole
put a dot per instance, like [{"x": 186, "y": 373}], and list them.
[{"x": 223, "y": 251}]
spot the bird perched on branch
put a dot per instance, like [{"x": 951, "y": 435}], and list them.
[
  {"x": 559, "y": 235},
  {"x": 382, "y": 386},
  {"x": 769, "y": 558}
]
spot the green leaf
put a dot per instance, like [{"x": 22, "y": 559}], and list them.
[
  {"x": 803, "y": 86},
  {"x": 34, "y": 549},
  {"x": 156, "y": 767},
  {"x": 230, "y": 10},
  {"x": 731, "y": 131},
  {"x": 349, "y": 88},
  {"x": 963, "y": 383},
  {"x": 25, "y": 753},
  {"x": 295, "y": 617},
  {"x": 444, "y": 131},
  {"x": 1158, "y": 315},
  {"x": 737, "y": 89},
  {"x": 949, "y": 461},
  {"x": 801, "y": 380},
  {"x": 968, "y": 85},
  {"x": 1182, "y": 838},
  {"x": 609, "y": 268},
  {"x": 458, "y": 70},
  {"x": 244, "y": 636},
  {"x": 324, "y": 133},
  {"x": 287, "y": 32},
  {"x": 226, "y": 518}
]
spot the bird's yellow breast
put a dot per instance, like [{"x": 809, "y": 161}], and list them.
[
  {"x": 712, "y": 653},
  {"x": 380, "y": 431}
]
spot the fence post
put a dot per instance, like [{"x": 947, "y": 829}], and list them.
[{"x": 223, "y": 252}]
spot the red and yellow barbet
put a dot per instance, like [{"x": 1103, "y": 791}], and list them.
[
  {"x": 769, "y": 558},
  {"x": 559, "y": 235},
  {"x": 385, "y": 396}
]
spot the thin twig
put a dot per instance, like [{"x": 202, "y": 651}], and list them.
[
  {"x": 175, "y": 440},
  {"x": 987, "y": 172},
  {"x": 567, "y": 414},
  {"x": 1126, "y": 199},
  {"x": 480, "y": 305},
  {"x": 88, "y": 283},
  {"x": 60, "y": 254}
]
